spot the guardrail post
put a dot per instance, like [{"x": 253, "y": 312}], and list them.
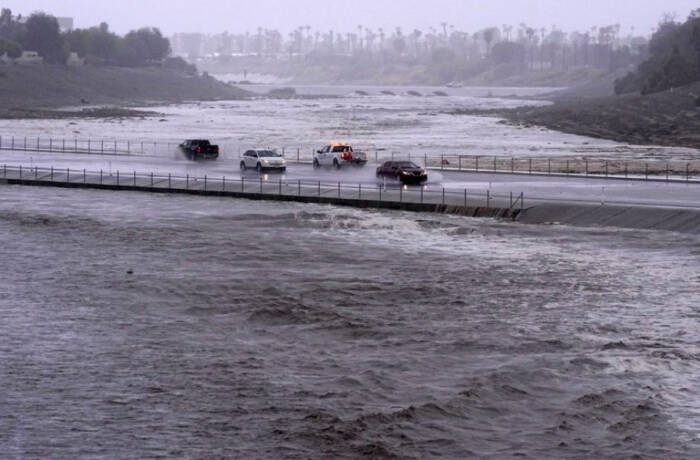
[
  {"x": 187, "y": 181},
  {"x": 37, "y": 144},
  {"x": 586, "y": 166},
  {"x": 36, "y": 173},
  {"x": 401, "y": 194},
  {"x": 117, "y": 177},
  {"x": 380, "y": 192},
  {"x": 115, "y": 146},
  {"x": 646, "y": 171},
  {"x": 488, "y": 199},
  {"x": 242, "y": 184},
  {"x": 299, "y": 187},
  {"x": 297, "y": 154},
  {"x": 84, "y": 176},
  {"x": 626, "y": 169},
  {"x": 687, "y": 172},
  {"x": 63, "y": 145},
  {"x": 549, "y": 167},
  {"x": 338, "y": 189},
  {"x": 13, "y": 142},
  {"x": 477, "y": 163},
  {"x": 100, "y": 177},
  {"x": 511, "y": 200},
  {"x": 169, "y": 183},
  {"x": 142, "y": 147},
  {"x": 223, "y": 183},
  {"x": 319, "y": 188},
  {"x": 128, "y": 146},
  {"x": 529, "y": 167},
  {"x": 359, "y": 191},
  {"x": 67, "y": 173},
  {"x": 134, "y": 178},
  {"x": 50, "y": 144},
  {"x": 151, "y": 178},
  {"x": 667, "y": 171},
  {"x": 443, "y": 195},
  {"x": 425, "y": 160},
  {"x": 20, "y": 172},
  {"x": 280, "y": 186},
  {"x": 465, "y": 197},
  {"x": 512, "y": 165},
  {"x": 459, "y": 162},
  {"x": 421, "y": 194},
  {"x": 494, "y": 164},
  {"x": 205, "y": 182},
  {"x": 261, "y": 185},
  {"x": 51, "y": 172},
  {"x": 567, "y": 167},
  {"x": 442, "y": 160},
  {"x": 606, "y": 168}
]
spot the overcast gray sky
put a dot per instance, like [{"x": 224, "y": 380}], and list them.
[{"x": 345, "y": 15}]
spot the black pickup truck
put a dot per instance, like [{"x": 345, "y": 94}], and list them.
[{"x": 199, "y": 149}]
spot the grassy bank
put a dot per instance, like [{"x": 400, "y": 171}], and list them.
[{"x": 47, "y": 86}]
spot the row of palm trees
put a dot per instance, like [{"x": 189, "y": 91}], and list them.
[{"x": 536, "y": 44}]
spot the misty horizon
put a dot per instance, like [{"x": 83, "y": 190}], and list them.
[{"x": 220, "y": 16}]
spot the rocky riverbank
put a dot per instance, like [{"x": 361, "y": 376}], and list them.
[{"x": 670, "y": 118}]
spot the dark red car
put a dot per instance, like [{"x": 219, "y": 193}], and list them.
[{"x": 405, "y": 171}]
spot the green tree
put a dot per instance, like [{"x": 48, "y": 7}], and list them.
[
  {"x": 42, "y": 34},
  {"x": 11, "y": 47}
]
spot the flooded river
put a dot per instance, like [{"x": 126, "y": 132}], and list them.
[{"x": 138, "y": 326}]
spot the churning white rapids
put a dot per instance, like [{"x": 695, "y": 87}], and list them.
[{"x": 137, "y": 325}]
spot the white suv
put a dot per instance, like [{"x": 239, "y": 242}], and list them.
[
  {"x": 262, "y": 160},
  {"x": 337, "y": 155}
]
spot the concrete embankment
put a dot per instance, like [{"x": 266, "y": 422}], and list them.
[{"x": 647, "y": 218}]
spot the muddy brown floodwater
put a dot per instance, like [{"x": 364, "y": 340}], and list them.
[{"x": 138, "y": 326}]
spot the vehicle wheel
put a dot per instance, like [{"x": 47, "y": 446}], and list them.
[
  {"x": 316, "y": 164},
  {"x": 242, "y": 165},
  {"x": 336, "y": 165},
  {"x": 258, "y": 167}
]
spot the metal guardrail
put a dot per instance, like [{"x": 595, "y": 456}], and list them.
[
  {"x": 264, "y": 186},
  {"x": 669, "y": 170},
  {"x": 363, "y": 194}
]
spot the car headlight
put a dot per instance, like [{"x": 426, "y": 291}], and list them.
[{"x": 264, "y": 161}]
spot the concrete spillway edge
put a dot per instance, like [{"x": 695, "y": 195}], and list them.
[
  {"x": 632, "y": 217},
  {"x": 578, "y": 215}
]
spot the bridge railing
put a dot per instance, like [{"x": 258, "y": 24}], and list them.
[{"x": 266, "y": 184}]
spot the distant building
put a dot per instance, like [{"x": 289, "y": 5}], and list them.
[
  {"x": 65, "y": 24},
  {"x": 28, "y": 58},
  {"x": 74, "y": 60}
]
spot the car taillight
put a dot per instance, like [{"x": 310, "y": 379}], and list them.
[
  {"x": 199, "y": 149},
  {"x": 346, "y": 156}
]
